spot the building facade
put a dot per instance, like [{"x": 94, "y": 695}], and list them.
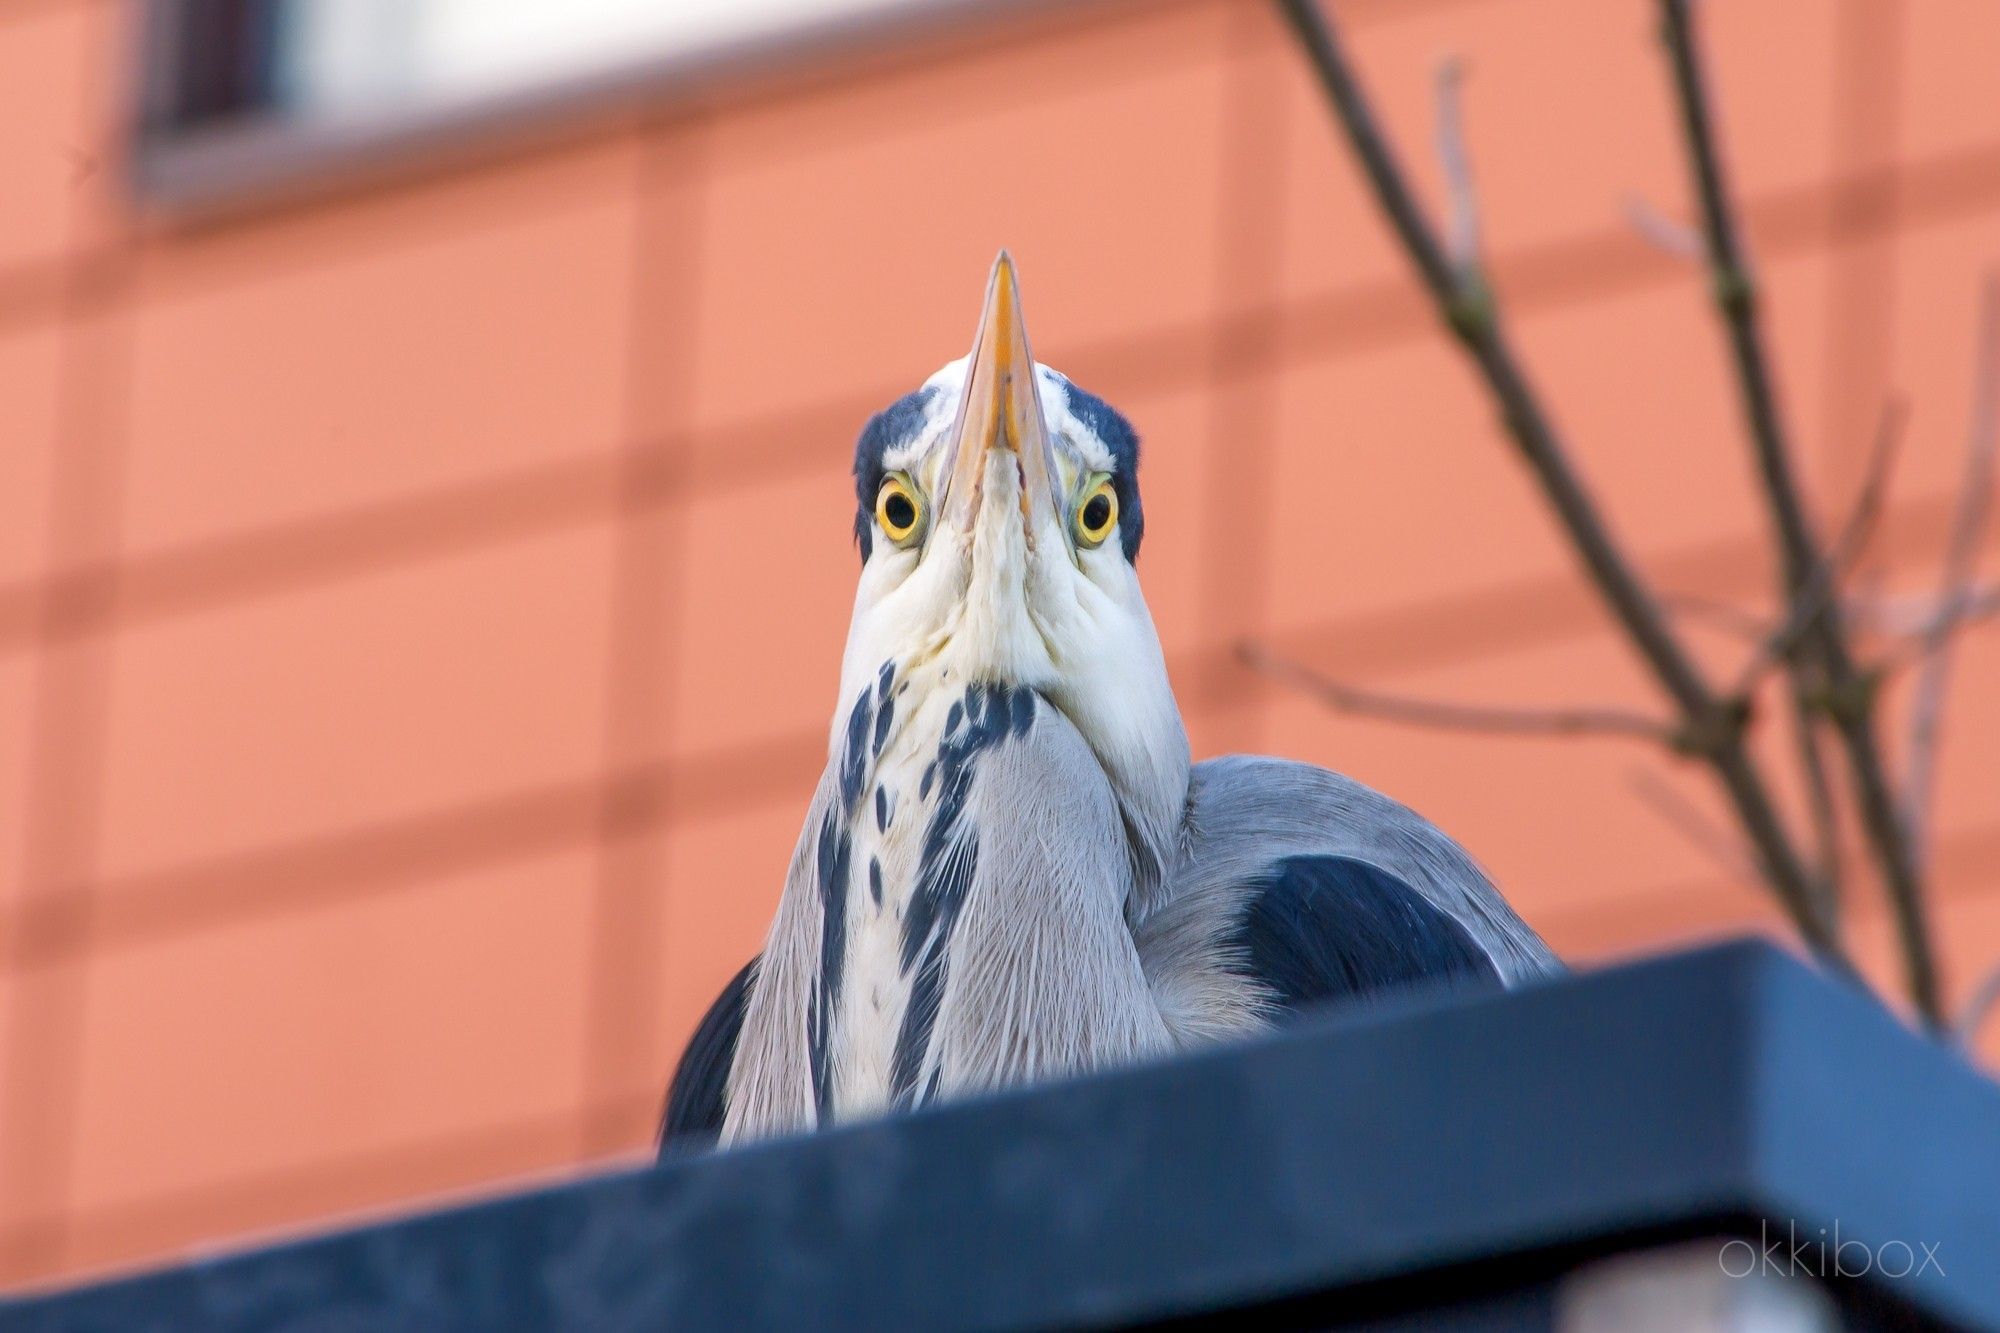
[{"x": 425, "y": 538}]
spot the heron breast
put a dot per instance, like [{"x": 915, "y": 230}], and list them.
[{"x": 909, "y": 874}]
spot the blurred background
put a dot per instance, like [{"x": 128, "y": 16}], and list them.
[{"x": 425, "y": 526}]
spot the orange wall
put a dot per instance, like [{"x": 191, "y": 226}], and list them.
[{"x": 420, "y": 608}]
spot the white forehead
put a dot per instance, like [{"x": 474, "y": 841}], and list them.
[{"x": 1071, "y": 434}]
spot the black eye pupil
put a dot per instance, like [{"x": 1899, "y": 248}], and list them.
[
  {"x": 1097, "y": 513},
  {"x": 898, "y": 510}
]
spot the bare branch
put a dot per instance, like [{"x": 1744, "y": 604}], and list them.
[
  {"x": 1848, "y": 547},
  {"x": 1978, "y": 1008},
  {"x": 1660, "y": 231},
  {"x": 1778, "y": 645},
  {"x": 1850, "y": 701},
  {"x": 1961, "y": 565},
  {"x": 1812, "y": 597},
  {"x": 1692, "y": 824},
  {"x": 1469, "y": 309},
  {"x": 1828, "y": 860},
  {"x": 1451, "y": 716},
  {"x": 1735, "y": 294},
  {"x": 1462, "y": 230},
  {"x": 1357, "y": 118}
]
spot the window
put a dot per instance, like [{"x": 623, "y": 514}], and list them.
[{"x": 243, "y": 90}]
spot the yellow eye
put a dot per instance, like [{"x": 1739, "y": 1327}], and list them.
[
  {"x": 1097, "y": 515},
  {"x": 898, "y": 510}
]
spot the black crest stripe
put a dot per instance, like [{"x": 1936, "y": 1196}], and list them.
[
  {"x": 834, "y": 850},
  {"x": 854, "y": 754},
  {"x": 1117, "y": 435},
  {"x": 885, "y": 706},
  {"x": 895, "y": 424}
]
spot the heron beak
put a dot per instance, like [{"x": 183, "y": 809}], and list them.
[{"x": 1001, "y": 409}]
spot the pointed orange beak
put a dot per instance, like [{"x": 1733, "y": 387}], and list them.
[{"x": 1001, "y": 409}]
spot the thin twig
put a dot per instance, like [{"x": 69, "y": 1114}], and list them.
[
  {"x": 1467, "y": 305},
  {"x": 1869, "y": 501},
  {"x": 1921, "y": 617},
  {"x": 1961, "y": 568},
  {"x": 1462, "y": 228},
  {"x": 1712, "y": 728},
  {"x": 1783, "y": 641},
  {"x": 1979, "y": 604},
  {"x": 1829, "y": 864},
  {"x": 1777, "y": 646},
  {"x": 1978, "y": 1008},
  {"x": 1738, "y": 621},
  {"x": 1452, "y": 716},
  {"x": 1828, "y": 861},
  {"x": 1849, "y": 697},
  {"x": 1735, "y": 294},
  {"x": 1840, "y": 558},
  {"x": 1677, "y": 811},
  {"x": 1660, "y": 231}
]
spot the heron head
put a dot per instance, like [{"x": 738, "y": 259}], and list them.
[{"x": 999, "y": 523}]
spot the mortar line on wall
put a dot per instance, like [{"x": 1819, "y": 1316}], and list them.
[
  {"x": 361, "y": 862},
  {"x": 1862, "y": 255},
  {"x": 647, "y": 596},
  {"x": 41, "y": 1087},
  {"x": 27, "y": 283},
  {"x": 209, "y": 570},
  {"x": 1244, "y": 366}
]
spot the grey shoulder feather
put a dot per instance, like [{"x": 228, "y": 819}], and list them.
[
  {"x": 1246, "y": 812},
  {"x": 1044, "y": 975}
]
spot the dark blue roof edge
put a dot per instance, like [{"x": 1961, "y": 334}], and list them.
[{"x": 1725, "y": 1082}]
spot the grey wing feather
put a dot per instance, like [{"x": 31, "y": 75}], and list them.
[
  {"x": 1247, "y": 812},
  {"x": 770, "y": 1085},
  {"x": 1044, "y": 978}
]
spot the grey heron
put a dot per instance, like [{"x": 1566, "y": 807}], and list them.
[{"x": 1011, "y": 868}]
